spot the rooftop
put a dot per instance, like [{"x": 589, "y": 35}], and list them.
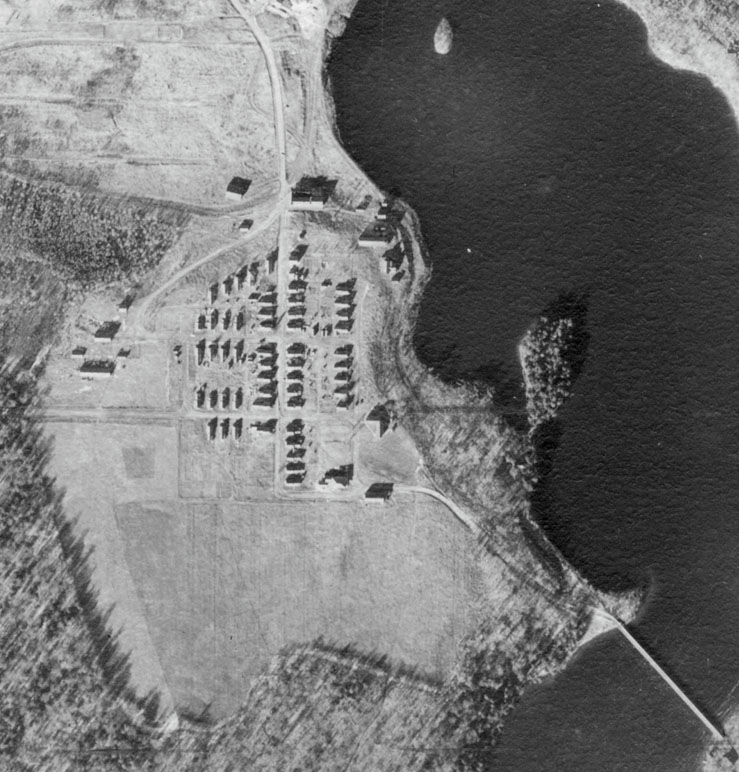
[
  {"x": 107, "y": 331},
  {"x": 238, "y": 187},
  {"x": 377, "y": 233},
  {"x": 97, "y": 367}
]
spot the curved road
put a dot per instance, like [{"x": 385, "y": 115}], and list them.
[
  {"x": 139, "y": 313},
  {"x": 459, "y": 513},
  {"x": 276, "y": 83}
]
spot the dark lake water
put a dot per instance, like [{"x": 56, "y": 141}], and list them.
[{"x": 550, "y": 151}]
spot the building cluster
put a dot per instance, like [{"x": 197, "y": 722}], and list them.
[
  {"x": 101, "y": 363},
  {"x": 247, "y": 276},
  {"x": 225, "y": 428},
  {"x": 344, "y": 307},
  {"x": 222, "y": 428},
  {"x": 296, "y": 305},
  {"x": 343, "y": 376},
  {"x": 267, "y": 309},
  {"x": 224, "y": 398},
  {"x": 243, "y": 365},
  {"x": 295, "y": 442},
  {"x": 235, "y": 371},
  {"x": 267, "y": 368},
  {"x": 297, "y": 362},
  {"x": 383, "y": 233}
]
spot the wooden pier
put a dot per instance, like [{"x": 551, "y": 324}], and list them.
[{"x": 715, "y": 731}]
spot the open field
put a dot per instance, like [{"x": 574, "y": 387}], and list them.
[
  {"x": 173, "y": 121},
  {"x": 99, "y": 466},
  {"x": 226, "y": 586}
]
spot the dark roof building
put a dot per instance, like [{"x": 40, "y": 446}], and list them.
[
  {"x": 268, "y": 427},
  {"x": 297, "y": 254},
  {"x": 237, "y": 188},
  {"x": 378, "y": 420},
  {"x": 97, "y": 368},
  {"x": 265, "y": 401},
  {"x": 379, "y": 492},
  {"x": 312, "y": 193},
  {"x": 378, "y": 234},
  {"x": 341, "y": 475},
  {"x": 107, "y": 331},
  {"x": 125, "y": 304}
]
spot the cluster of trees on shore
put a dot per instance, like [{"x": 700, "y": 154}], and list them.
[{"x": 552, "y": 355}]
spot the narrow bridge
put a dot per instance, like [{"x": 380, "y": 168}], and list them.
[{"x": 716, "y": 733}]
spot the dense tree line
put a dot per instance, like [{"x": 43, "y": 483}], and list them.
[
  {"x": 83, "y": 236},
  {"x": 63, "y": 700}
]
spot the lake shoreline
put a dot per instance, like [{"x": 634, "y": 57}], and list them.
[
  {"x": 499, "y": 502},
  {"x": 699, "y": 44}
]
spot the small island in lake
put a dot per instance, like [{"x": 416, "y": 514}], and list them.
[{"x": 443, "y": 37}]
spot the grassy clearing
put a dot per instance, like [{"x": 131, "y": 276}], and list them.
[
  {"x": 225, "y": 587},
  {"x": 172, "y": 122}
]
